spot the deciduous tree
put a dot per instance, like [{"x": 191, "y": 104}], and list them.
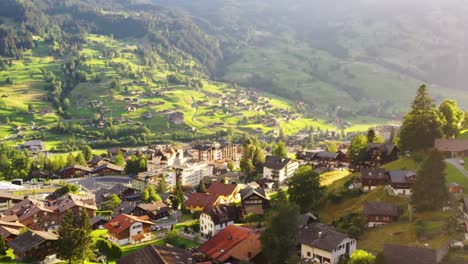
[
  {"x": 280, "y": 150},
  {"x": 304, "y": 189},
  {"x": 452, "y": 118}
]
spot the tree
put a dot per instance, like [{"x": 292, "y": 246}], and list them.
[
  {"x": 422, "y": 125},
  {"x": 304, "y": 189},
  {"x": 80, "y": 159},
  {"x": 280, "y": 150},
  {"x": 149, "y": 195},
  {"x": 119, "y": 159},
  {"x": 112, "y": 202},
  {"x": 69, "y": 188},
  {"x": 87, "y": 152},
  {"x": 3, "y": 247},
  {"x": 371, "y": 135},
  {"x": 429, "y": 191},
  {"x": 30, "y": 108},
  {"x": 162, "y": 185},
  {"x": 71, "y": 160},
  {"x": 279, "y": 239},
  {"x": 361, "y": 257},
  {"x": 179, "y": 200},
  {"x": 67, "y": 238},
  {"x": 201, "y": 187},
  {"x": 145, "y": 195},
  {"x": 331, "y": 147},
  {"x": 7, "y": 120},
  {"x": 135, "y": 165},
  {"x": 452, "y": 118},
  {"x": 230, "y": 165},
  {"x": 84, "y": 239},
  {"x": 358, "y": 150}
]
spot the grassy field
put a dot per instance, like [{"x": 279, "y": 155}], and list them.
[
  {"x": 328, "y": 178},
  {"x": 454, "y": 175}
]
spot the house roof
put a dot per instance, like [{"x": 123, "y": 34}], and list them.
[
  {"x": 222, "y": 189},
  {"x": 33, "y": 143},
  {"x": 385, "y": 148},
  {"x": 232, "y": 242},
  {"x": 221, "y": 214},
  {"x": 7, "y": 195},
  {"x": 27, "y": 208},
  {"x": 9, "y": 218},
  {"x": 400, "y": 176},
  {"x": 249, "y": 191},
  {"x": 122, "y": 222},
  {"x": 157, "y": 255},
  {"x": 453, "y": 145},
  {"x": 155, "y": 207},
  {"x": 108, "y": 166},
  {"x": 8, "y": 231},
  {"x": 30, "y": 239},
  {"x": 409, "y": 255},
  {"x": 68, "y": 200},
  {"x": 16, "y": 225},
  {"x": 125, "y": 207},
  {"x": 306, "y": 219},
  {"x": 98, "y": 219},
  {"x": 77, "y": 167},
  {"x": 321, "y": 236},
  {"x": 276, "y": 163},
  {"x": 375, "y": 174},
  {"x": 378, "y": 208},
  {"x": 326, "y": 155},
  {"x": 119, "y": 189},
  {"x": 202, "y": 200}
]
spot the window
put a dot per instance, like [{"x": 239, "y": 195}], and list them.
[{"x": 308, "y": 254}]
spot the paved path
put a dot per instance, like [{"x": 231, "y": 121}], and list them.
[{"x": 460, "y": 167}]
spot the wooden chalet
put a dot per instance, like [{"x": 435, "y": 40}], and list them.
[
  {"x": 75, "y": 171},
  {"x": 378, "y": 214},
  {"x": 254, "y": 201}
]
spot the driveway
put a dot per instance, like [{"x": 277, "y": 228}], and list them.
[
  {"x": 460, "y": 167},
  {"x": 94, "y": 183}
]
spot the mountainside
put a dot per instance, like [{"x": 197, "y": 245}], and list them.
[{"x": 367, "y": 56}]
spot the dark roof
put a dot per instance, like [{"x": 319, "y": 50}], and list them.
[
  {"x": 306, "y": 219},
  {"x": 221, "y": 214},
  {"x": 247, "y": 192},
  {"x": 222, "y": 189},
  {"x": 400, "y": 176},
  {"x": 77, "y": 167},
  {"x": 378, "y": 208},
  {"x": 125, "y": 207},
  {"x": 326, "y": 155},
  {"x": 385, "y": 148},
  {"x": 409, "y": 255},
  {"x": 119, "y": 189},
  {"x": 376, "y": 174},
  {"x": 28, "y": 240},
  {"x": 201, "y": 200},
  {"x": 7, "y": 195},
  {"x": 98, "y": 219},
  {"x": 276, "y": 163},
  {"x": 321, "y": 236},
  {"x": 157, "y": 255},
  {"x": 109, "y": 166}
]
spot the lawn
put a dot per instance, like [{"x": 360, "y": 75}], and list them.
[
  {"x": 405, "y": 163},
  {"x": 329, "y": 178},
  {"x": 454, "y": 175}
]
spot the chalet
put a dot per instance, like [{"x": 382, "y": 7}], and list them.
[
  {"x": 112, "y": 152},
  {"x": 34, "y": 145},
  {"x": 108, "y": 169},
  {"x": 33, "y": 214},
  {"x": 10, "y": 230},
  {"x": 306, "y": 155},
  {"x": 199, "y": 201},
  {"x": 75, "y": 171},
  {"x": 401, "y": 182},
  {"x": 97, "y": 161},
  {"x": 214, "y": 219},
  {"x": 125, "y": 207},
  {"x": 98, "y": 222},
  {"x": 380, "y": 154},
  {"x": 342, "y": 156},
  {"x": 326, "y": 159},
  {"x": 279, "y": 169},
  {"x": 35, "y": 245},
  {"x": 127, "y": 229},
  {"x": 454, "y": 187},
  {"x": 41, "y": 174},
  {"x": 322, "y": 244},
  {"x": 454, "y": 148},
  {"x": 7, "y": 200},
  {"x": 152, "y": 254},
  {"x": 233, "y": 244},
  {"x": 379, "y": 214},
  {"x": 70, "y": 203},
  {"x": 373, "y": 178},
  {"x": 228, "y": 193},
  {"x": 168, "y": 156},
  {"x": 154, "y": 211},
  {"x": 409, "y": 255},
  {"x": 254, "y": 200}
]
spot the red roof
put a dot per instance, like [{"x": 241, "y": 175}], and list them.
[
  {"x": 235, "y": 242},
  {"x": 202, "y": 200},
  {"x": 122, "y": 222},
  {"x": 222, "y": 189}
]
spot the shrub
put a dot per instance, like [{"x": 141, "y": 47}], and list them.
[{"x": 171, "y": 237}]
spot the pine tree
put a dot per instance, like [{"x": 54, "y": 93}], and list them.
[
  {"x": 429, "y": 191},
  {"x": 84, "y": 241},
  {"x": 422, "y": 125},
  {"x": 3, "y": 247},
  {"x": 201, "y": 187},
  {"x": 87, "y": 152},
  {"x": 162, "y": 185},
  {"x": 371, "y": 135},
  {"x": 179, "y": 195},
  {"x": 80, "y": 159},
  {"x": 71, "y": 160},
  {"x": 67, "y": 238}
]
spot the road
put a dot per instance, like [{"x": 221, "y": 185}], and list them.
[
  {"x": 460, "y": 167},
  {"x": 94, "y": 183}
]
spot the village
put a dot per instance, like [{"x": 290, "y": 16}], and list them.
[{"x": 194, "y": 205}]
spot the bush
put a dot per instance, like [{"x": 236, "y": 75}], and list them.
[
  {"x": 5, "y": 259},
  {"x": 171, "y": 237},
  {"x": 112, "y": 251}
]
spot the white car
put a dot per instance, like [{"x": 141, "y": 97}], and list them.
[{"x": 462, "y": 162}]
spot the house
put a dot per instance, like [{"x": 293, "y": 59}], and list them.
[
  {"x": 409, "y": 255},
  {"x": 97, "y": 161},
  {"x": 98, "y": 222},
  {"x": 379, "y": 214},
  {"x": 168, "y": 156},
  {"x": 10, "y": 230},
  {"x": 372, "y": 178},
  {"x": 124, "y": 192},
  {"x": 33, "y": 214},
  {"x": 41, "y": 174},
  {"x": 254, "y": 200},
  {"x": 454, "y": 148},
  {"x": 401, "y": 182},
  {"x": 108, "y": 169},
  {"x": 222, "y": 150},
  {"x": 70, "y": 203},
  {"x": 454, "y": 187},
  {"x": 155, "y": 210},
  {"x": 152, "y": 254},
  {"x": 35, "y": 245},
  {"x": 176, "y": 118},
  {"x": 321, "y": 244},
  {"x": 75, "y": 171},
  {"x": 228, "y": 193},
  {"x": 306, "y": 155},
  {"x": 126, "y": 207},
  {"x": 34, "y": 145},
  {"x": 380, "y": 154},
  {"x": 7, "y": 200},
  {"x": 279, "y": 169},
  {"x": 199, "y": 201},
  {"x": 127, "y": 229},
  {"x": 191, "y": 174},
  {"x": 342, "y": 155},
  {"x": 233, "y": 244},
  {"x": 326, "y": 159},
  {"x": 214, "y": 219}
]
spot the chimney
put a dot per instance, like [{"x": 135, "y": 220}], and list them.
[{"x": 320, "y": 234}]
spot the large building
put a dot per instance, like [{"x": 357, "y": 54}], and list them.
[
  {"x": 454, "y": 148},
  {"x": 191, "y": 174},
  {"x": 279, "y": 169},
  {"x": 216, "y": 151},
  {"x": 215, "y": 219}
]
